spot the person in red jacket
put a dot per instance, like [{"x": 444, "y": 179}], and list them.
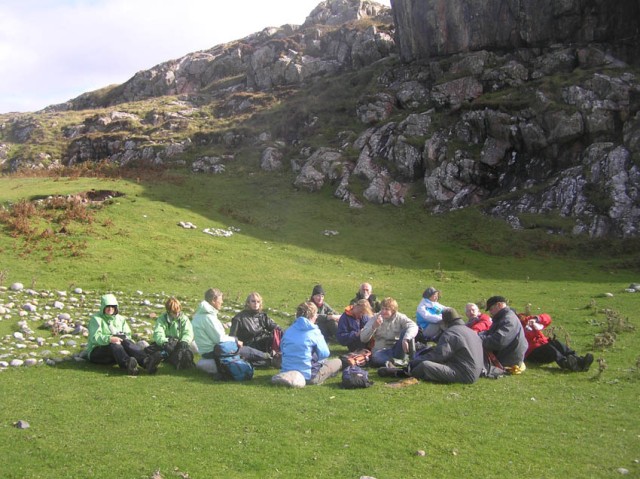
[
  {"x": 543, "y": 350},
  {"x": 477, "y": 321}
]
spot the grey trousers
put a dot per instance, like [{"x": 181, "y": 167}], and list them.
[
  {"x": 330, "y": 367},
  {"x": 440, "y": 373}
]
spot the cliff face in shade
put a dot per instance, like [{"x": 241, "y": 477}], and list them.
[{"x": 428, "y": 28}]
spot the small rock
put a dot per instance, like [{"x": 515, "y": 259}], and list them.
[
  {"x": 58, "y": 305},
  {"x": 21, "y": 424},
  {"x": 29, "y": 307},
  {"x": 17, "y": 287},
  {"x": 608, "y": 295},
  {"x": 623, "y": 471},
  {"x": 16, "y": 363},
  {"x": 30, "y": 362},
  {"x": 420, "y": 452},
  {"x": 19, "y": 336}
]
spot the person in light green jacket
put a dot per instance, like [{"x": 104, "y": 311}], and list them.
[
  {"x": 110, "y": 340},
  {"x": 173, "y": 335}
]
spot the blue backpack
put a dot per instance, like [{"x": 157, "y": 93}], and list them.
[{"x": 230, "y": 365}]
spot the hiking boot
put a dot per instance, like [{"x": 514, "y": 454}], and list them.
[
  {"x": 388, "y": 372},
  {"x": 570, "y": 363},
  {"x": 132, "y": 366},
  {"x": 152, "y": 362},
  {"x": 585, "y": 362},
  {"x": 276, "y": 360}
]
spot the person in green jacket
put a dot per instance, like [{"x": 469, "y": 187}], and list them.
[
  {"x": 110, "y": 340},
  {"x": 173, "y": 335}
]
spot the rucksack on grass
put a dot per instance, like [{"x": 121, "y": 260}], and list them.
[
  {"x": 230, "y": 365},
  {"x": 354, "y": 377}
]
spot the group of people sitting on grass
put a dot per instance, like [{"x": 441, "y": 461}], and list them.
[{"x": 440, "y": 346}]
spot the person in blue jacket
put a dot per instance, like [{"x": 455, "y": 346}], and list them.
[
  {"x": 305, "y": 350},
  {"x": 354, "y": 318}
]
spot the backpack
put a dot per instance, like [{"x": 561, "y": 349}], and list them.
[
  {"x": 230, "y": 365},
  {"x": 357, "y": 358},
  {"x": 354, "y": 377}
]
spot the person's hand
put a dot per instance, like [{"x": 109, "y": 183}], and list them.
[
  {"x": 405, "y": 346},
  {"x": 531, "y": 323},
  {"x": 378, "y": 320},
  {"x": 115, "y": 340},
  {"x": 240, "y": 343}
]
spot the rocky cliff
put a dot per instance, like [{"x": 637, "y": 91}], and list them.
[
  {"x": 443, "y": 27},
  {"x": 529, "y": 111}
]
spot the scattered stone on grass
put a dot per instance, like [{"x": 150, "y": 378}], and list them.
[
  {"x": 220, "y": 232},
  {"x": 21, "y": 424},
  {"x": 420, "y": 452},
  {"x": 623, "y": 471},
  {"x": 187, "y": 225},
  {"x": 330, "y": 233}
]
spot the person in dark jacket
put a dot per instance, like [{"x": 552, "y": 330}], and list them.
[
  {"x": 351, "y": 322},
  {"x": 457, "y": 358},
  {"x": 505, "y": 338},
  {"x": 254, "y": 328},
  {"x": 327, "y": 319},
  {"x": 366, "y": 292}
]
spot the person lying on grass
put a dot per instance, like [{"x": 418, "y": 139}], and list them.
[
  {"x": 110, "y": 340},
  {"x": 544, "y": 350}
]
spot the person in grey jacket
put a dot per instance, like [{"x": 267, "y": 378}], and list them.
[
  {"x": 505, "y": 338},
  {"x": 457, "y": 358}
]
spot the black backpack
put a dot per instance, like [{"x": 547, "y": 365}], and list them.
[{"x": 354, "y": 377}]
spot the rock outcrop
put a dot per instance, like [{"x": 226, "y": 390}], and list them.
[
  {"x": 520, "y": 108},
  {"x": 425, "y": 29}
]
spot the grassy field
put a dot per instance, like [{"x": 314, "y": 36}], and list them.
[{"x": 87, "y": 421}]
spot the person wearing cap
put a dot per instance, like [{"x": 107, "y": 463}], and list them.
[
  {"x": 429, "y": 314},
  {"x": 505, "y": 338},
  {"x": 393, "y": 334},
  {"x": 457, "y": 358},
  {"x": 366, "y": 292},
  {"x": 110, "y": 341},
  {"x": 476, "y": 320},
  {"x": 327, "y": 319}
]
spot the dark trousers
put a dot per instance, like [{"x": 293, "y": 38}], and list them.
[
  {"x": 117, "y": 353},
  {"x": 554, "y": 350},
  {"x": 251, "y": 355}
]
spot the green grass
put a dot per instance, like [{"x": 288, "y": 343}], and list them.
[{"x": 88, "y": 421}]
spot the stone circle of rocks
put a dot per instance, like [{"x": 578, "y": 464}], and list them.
[{"x": 50, "y": 326}]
